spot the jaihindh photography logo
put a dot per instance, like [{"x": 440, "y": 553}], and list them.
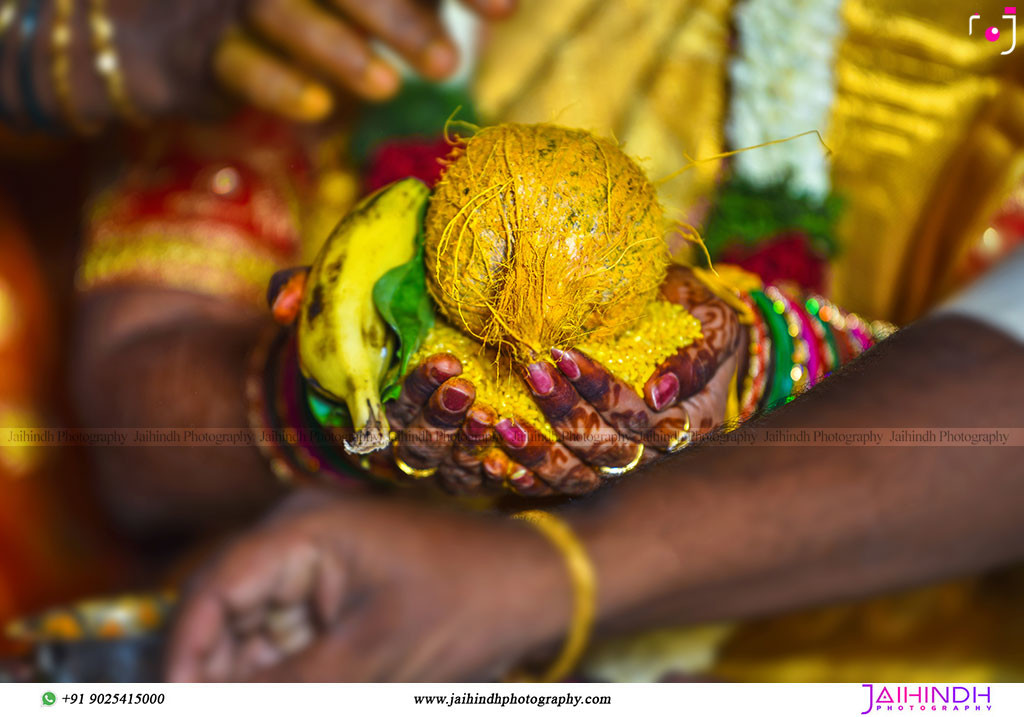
[{"x": 927, "y": 698}]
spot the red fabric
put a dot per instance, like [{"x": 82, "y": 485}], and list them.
[
  {"x": 787, "y": 257},
  {"x": 403, "y": 158},
  {"x": 170, "y": 185}
]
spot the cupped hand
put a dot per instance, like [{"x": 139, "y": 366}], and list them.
[
  {"x": 359, "y": 589},
  {"x": 605, "y": 429},
  {"x": 289, "y": 55}
]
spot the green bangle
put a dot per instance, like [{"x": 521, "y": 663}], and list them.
[{"x": 782, "y": 352}]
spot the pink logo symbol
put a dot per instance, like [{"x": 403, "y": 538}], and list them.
[{"x": 993, "y": 34}]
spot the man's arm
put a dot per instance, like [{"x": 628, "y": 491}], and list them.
[
  {"x": 154, "y": 358},
  {"x": 736, "y": 532}
]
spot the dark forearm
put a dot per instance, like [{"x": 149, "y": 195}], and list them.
[
  {"x": 728, "y": 532},
  {"x": 162, "y": 53},
  {"x": 179, "y": 366}
]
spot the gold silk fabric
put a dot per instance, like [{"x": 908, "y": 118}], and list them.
[
  {"x": 650, "y": 73},
  {"x": 927, "y": 131}
]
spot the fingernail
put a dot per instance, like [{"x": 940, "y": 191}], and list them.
[
  {"x": 454, "y": 399},
  {"x": 511, "y": 433},
  {"x": 439, "y": 58},
  {"x": 315, "y": 102},
  {"x": 380, "y": 78},
  {"x": 475, "y": 428},
  {"x": 565, "y": 364},
  {"x": 665, "y": 391},
  {"x": 539, "y": 379},
  {"x": 438, "y": 374},
  {"x": 494, "y": 466},
  {"x": 521, "y": 478}
]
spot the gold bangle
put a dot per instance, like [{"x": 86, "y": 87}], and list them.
[
  {"x": 60, "y": 51},
  {"x": 614, "y": 472},
  {"x": 584, "y": 584},
  {"x": 416, "y": 473},
  {"x": 108, "y": 63}
]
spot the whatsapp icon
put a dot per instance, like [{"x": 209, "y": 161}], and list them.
[{"x": 49, "y": 698}]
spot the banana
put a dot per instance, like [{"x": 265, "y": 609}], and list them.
[{"x": 344, "y": 345}]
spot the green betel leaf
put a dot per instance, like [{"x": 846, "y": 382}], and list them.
[{"x": 401, "y": 298}]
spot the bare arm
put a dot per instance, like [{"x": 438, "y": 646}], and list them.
[
  {"x": 737, "y": 532},
  {"x": 152, "y": 358}
]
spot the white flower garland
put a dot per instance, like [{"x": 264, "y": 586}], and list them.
[{"x": 783, "y": 83}]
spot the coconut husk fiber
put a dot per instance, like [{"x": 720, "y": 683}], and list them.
[{"x": 541, "y": 236}]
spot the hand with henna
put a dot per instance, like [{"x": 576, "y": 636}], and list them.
[{"x": 604, "y": 427}]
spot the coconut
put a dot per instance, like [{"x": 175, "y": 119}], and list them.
[{"x": 541, "y": 236}]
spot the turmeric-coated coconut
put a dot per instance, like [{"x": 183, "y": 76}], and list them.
[{"x": 541, "y": 236}]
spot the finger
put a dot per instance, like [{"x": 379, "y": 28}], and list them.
[
  {"x": 284, "y": 293},
  {"x": 525, "y": 482},
  {"x": 296, "y": 578},
  {"x": 429, "y": 437},
  {"x": 501, "y": 473},
  {"x": 552, "y": 462},
  {"x": 577, "y": 423},
  {"x": 462, "y": 472},
  {"x": 326, "y": 44},
  {"x": 620, "y": 406},
  {"x": 686, "y": 372},
  {"x": 245, "y": 68},
  {"x": 328, "y": 596},
  {"x": 256, "y": 652},
  {"x": 707, "y": 408},
  {"x": 220, "y": 665},
  {"x": 349, "y": 652},
  {"x": 419, "y": 386},
  {"x": 495, "y": 466},
  {"x": 198, "y": 628},
  {"x": 411, "y": 29}
]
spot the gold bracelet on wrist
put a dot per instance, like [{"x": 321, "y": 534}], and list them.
[
  {"x": 60, "y": 51},
  {"x": 108, "y": 62},
  {"x": 584, "y": 583}
]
